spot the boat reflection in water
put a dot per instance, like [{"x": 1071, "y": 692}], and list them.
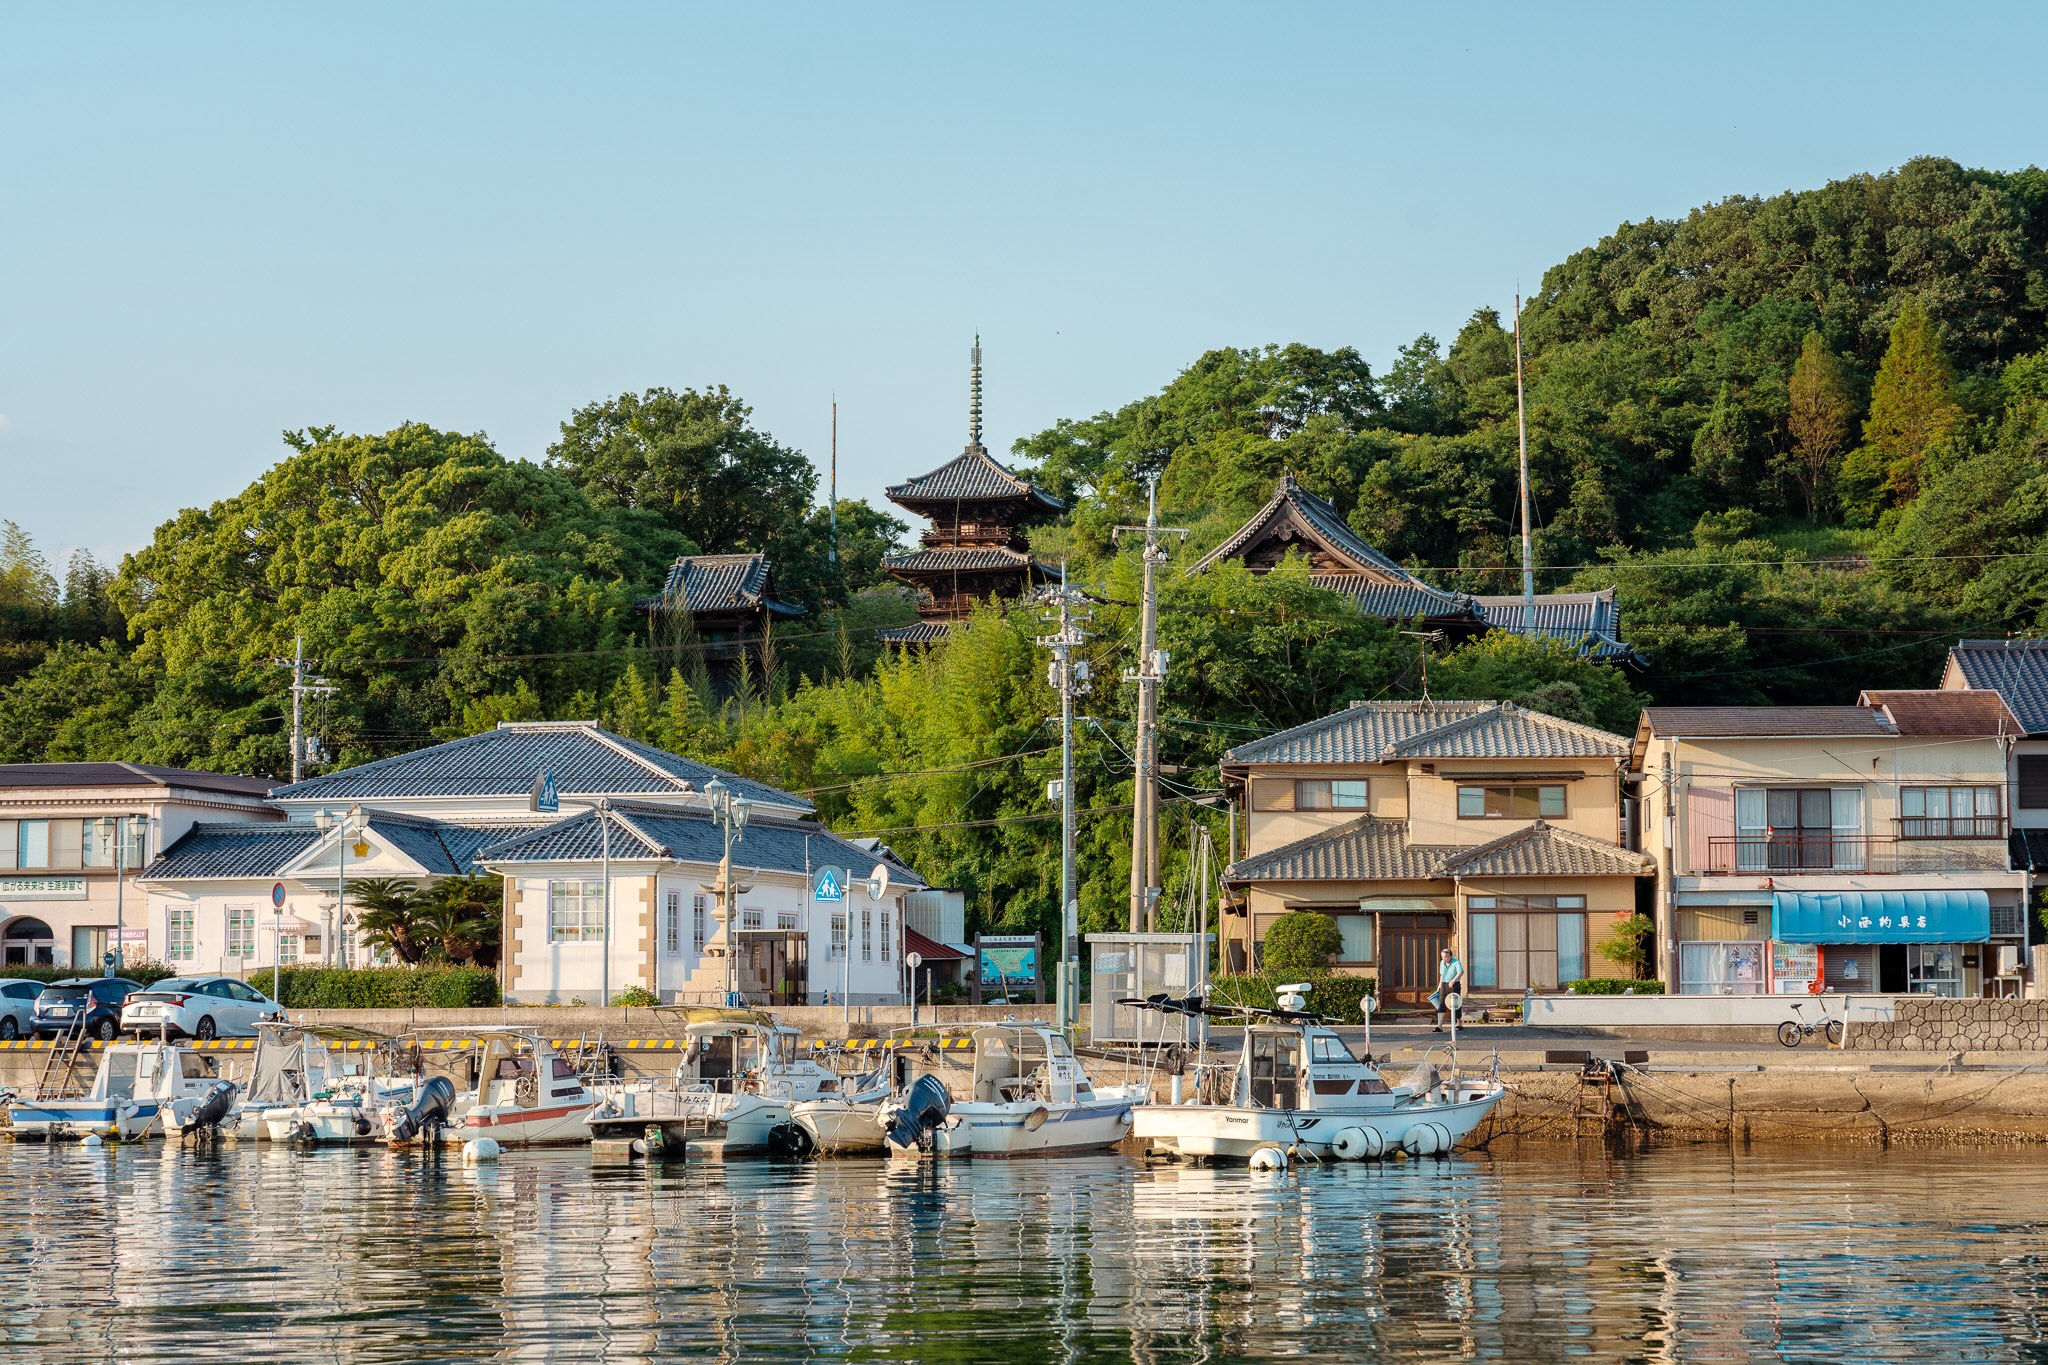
[{"x": 368, "y": 1254}]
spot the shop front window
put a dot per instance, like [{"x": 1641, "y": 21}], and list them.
[
  {"x": 1934, "y": 969},
  {"x": 1721, "y": 969}
]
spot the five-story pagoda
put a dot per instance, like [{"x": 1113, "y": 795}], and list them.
[{"x": 974, "y": 548}]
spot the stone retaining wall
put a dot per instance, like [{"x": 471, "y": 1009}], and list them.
[{"x": 1935, "y": 1024}]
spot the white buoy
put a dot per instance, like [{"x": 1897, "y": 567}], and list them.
[
  {"x": 1422, "y": 1140},
  {"x": 91, "y": 1140},
  {"x": 480, "y": 1149},
  {"x": 1358, "y": 1144},
  {"x": 1268, "y": 1159}
]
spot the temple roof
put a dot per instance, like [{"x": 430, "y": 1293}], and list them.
[
  {"x": 966, "y": 559},
  {"x": 715, "y": 583},
  {"x": 972, "y": 476}
]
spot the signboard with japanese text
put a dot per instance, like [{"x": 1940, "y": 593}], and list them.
[{"x": 42, "y": 888}]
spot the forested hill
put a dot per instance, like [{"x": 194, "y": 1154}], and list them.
[{"x": 1851, "y": 375}]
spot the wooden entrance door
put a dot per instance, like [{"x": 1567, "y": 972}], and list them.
[{"x": 1408, "y": 948}]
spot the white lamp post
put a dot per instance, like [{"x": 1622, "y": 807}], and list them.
[
  {"x": 730, "y": 810},
  {"x": 912, "y": 962}
]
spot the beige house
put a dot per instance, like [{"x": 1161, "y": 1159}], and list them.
[
  {"x": 1852, "y": 848},
  {"x": 1421, "y": 825}
]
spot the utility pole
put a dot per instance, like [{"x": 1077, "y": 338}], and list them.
[
  {"x": 1150, "y": 672},
  {"x": 832, "y": 488},
  {"x": 1522, "y": 430},
  {"x": 303, "y": 686},
  {"x": 1069, "y": 677}
]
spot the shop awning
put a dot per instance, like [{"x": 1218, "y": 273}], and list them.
[{"x": 1880, "y": 916}]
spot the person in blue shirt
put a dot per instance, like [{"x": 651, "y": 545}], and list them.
[{"x": 1450, "y": 981}]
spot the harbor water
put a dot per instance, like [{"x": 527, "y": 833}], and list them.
[{"x": 1549, "y": 1253}]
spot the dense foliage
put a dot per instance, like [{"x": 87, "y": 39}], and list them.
[
  {"x": 379, "y": 988},
  {"x": 1804, "y": 439},
  {"x": 1300, "y": 945}
]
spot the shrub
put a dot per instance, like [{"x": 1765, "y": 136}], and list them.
[
  {"x": 376, "y": 988},
  {"x": 1614, "y": 985},
  {"x": 140, "y": 969},
  {"x": 1338, "y": 997},
  {"x": 637, "y": 996},
  {"x": 1299, "y": 946},
  {"x": 1630, "y": 945}
]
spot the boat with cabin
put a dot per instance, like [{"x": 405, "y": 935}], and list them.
[
  {"x": 740, "y": 1075},
  {"x": 138, "y": 1089},
  {"x": 525, "y": 1093},
  {"x": 288, "y": 1068},
  {"x": 1029, "y": 1096},
  {"x": 1297, "y": 1090}
]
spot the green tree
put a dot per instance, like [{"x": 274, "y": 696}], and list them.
[
  {"x": 461, "y": 919},
  {"x": 1822, "y": 416},
  {"x": 389, "y": 913},
  {"x": 1540, "y": 673},
  {"x": 1912, "y": 403},
  {"x": 1300, "y": 946}
]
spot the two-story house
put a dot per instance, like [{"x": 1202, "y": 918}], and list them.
[
  {"x": 614, "y": 887},
  {"x": 1419, "y": 825},
  {"x": 2017, "y": 670},
  {"x": 73, "y": 836},
  {"x": 1853, "y": 848}
]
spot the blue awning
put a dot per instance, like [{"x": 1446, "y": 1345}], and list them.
[{"x": 1880, "y": 916}]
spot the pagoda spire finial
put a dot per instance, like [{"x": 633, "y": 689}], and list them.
[{"x": 974, "y": 394}]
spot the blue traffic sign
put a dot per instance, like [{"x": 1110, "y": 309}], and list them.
[
  {"x": 546, "y": 799},
  {"x": 277, "y": 895},
  {"x": 828, "y": 887}
]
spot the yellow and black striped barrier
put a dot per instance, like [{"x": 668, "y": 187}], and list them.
[{"x": 459, "y": 1044}]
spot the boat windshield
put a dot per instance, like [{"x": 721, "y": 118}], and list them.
[
  {"x": 120, "y": 1075},
  {"x": 1329, "y": 1049}
]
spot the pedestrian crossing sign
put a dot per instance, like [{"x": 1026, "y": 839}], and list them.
[
  {"x": 828, "y": 887},
  {"x": 546, "y": 799}
]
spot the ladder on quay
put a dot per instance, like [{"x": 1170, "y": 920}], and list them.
[{"x": 59, "y": 1080}]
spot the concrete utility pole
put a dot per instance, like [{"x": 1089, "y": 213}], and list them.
[
  {"x": 1150, "y": 672},
  {"x": 303, "y": 686},
  {"x": 1069, "y": 677},
  {"x": 832, "y": 488},
  {"x": 1522, "y": 430}
]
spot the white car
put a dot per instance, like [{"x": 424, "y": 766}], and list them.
[
  {"x": 17, "y": 1003},
  {"x": 202, "y": 1007}
]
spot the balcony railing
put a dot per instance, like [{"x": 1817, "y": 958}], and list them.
[
  {"x": 1951, "y": 827},
  {"x": 1769, "y": 855}
]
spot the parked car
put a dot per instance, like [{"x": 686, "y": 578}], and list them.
[
  {"x": 17, "y": 1006},
  {"x": 98, "y": 998},
  {"x": 201, "y": 1007}
]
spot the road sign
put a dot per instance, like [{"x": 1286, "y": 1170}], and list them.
[
  {"x": 829, "y": 889},
  {"x": 277, "y": 895},
  {"x": 546, "y": 799}
]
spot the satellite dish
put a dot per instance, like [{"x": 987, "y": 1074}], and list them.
[{"x": 878, "y": 883}]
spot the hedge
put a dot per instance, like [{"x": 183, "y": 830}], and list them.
[
  {"x": 1335, "y": 996},
  {"x": 143, "y": 971},
  {"x": 379, "y": 988},
  {"x": 1613, "y": 985}
]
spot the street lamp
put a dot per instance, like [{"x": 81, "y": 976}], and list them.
[
  {"x": 913, "y": 961},
  {"x": 730, "y": 810}
]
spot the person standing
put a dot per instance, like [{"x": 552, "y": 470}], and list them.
[{"x": 1450, "y": 981}]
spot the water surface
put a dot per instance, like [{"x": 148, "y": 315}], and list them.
[{"x": 361, "y": 1255}]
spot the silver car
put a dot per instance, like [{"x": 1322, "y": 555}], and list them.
[
  {"x": 202, "y": 1007},
  {"x": 17, "y": 1003}
]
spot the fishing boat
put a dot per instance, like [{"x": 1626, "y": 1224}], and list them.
[
  {"x": 850, "y": 1123},
  {"x": 349, "y": 1104},
  {"x": 1030, "y": 1096},
  {"x": 526, "y": 1093},
  {"x": 1298, "y": 1091},
  {"x": 731, "y": 1095},
  {"x": 288, "y": 1069},
  {"x": 139, "y": 1089}
]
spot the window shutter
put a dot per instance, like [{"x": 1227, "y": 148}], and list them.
[{"x": 2033, "y": 781}]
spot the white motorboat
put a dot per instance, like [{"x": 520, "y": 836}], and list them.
[
  {"x": 139, "y": 1089},
  {"x": 850, "y": 1123},
  {"x": 1297, "y": 1090},
  {"x": 288, "y": 1069},
  {"x": 1030, "y": 1097},
  {"x": 526, "y": 1094},
  {"x": 731, "y": 1095}
]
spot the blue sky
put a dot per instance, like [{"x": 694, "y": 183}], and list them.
[{"x": 217, "y": 222}]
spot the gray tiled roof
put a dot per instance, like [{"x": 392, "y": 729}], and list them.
[
  {"x": 129, "y": 775},
  {"x": 1378, "y": 731},
  {"x": 586, "y": 761},
  {"x": 2016, "y": 669},
  {"x": 1766, "y": 722},
  {"x": 922, "y": 633},
  {"x": 721, "y": 583},
  {"x": 1543, "y": 850},
  {"x": 971, "y": 476},
  {"x": 1396, "y": 601},
  {"x": 662, "y": 832},
  {"x": 440, "y": 847},
  {"x": 961, "y": 560},
  {"x": 1366, "y": 849},
  {"x": 1590, "y": 622}
]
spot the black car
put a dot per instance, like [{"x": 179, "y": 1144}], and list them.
[{"x": 98, "y": 998}]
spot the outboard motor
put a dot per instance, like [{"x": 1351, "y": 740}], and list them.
[
  {"x": 791, "y": 1142},
  {"x": 429, "y": 1109},
  {"x": 212, "y": 1111},
  {"x": 924, "y": 1107}
]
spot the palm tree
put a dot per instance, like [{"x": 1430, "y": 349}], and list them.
[
  {"x": 388, "y": 910},
  {"x": 465, "y": 914}
]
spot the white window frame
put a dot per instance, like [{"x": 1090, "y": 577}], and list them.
[
  {"x": 700, "y": 923},
  {"x": 181, "y": 937},
  {"x": 751, "y": 917},
  {"x": 287, "y": 950},
  {"x": 886, "y": 938},
  {"x": 587, "y": 910},
  {"x": 672, "y": 925},
  {"x": 241, "y": 932},
  {"x": 837, "y": 950},
  {"x": 786, "y": 920},
  {"x": 867, "y": 935}
]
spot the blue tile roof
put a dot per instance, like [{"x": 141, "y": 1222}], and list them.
[
  {"x": 662, "y": 832},
  {"x": 586, "y": 761},
  {"x": 248, "y": 850},
  {"x": 2015, "y": 669}
]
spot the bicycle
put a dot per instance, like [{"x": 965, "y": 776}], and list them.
[{"x": 1793, "y": 1030}]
